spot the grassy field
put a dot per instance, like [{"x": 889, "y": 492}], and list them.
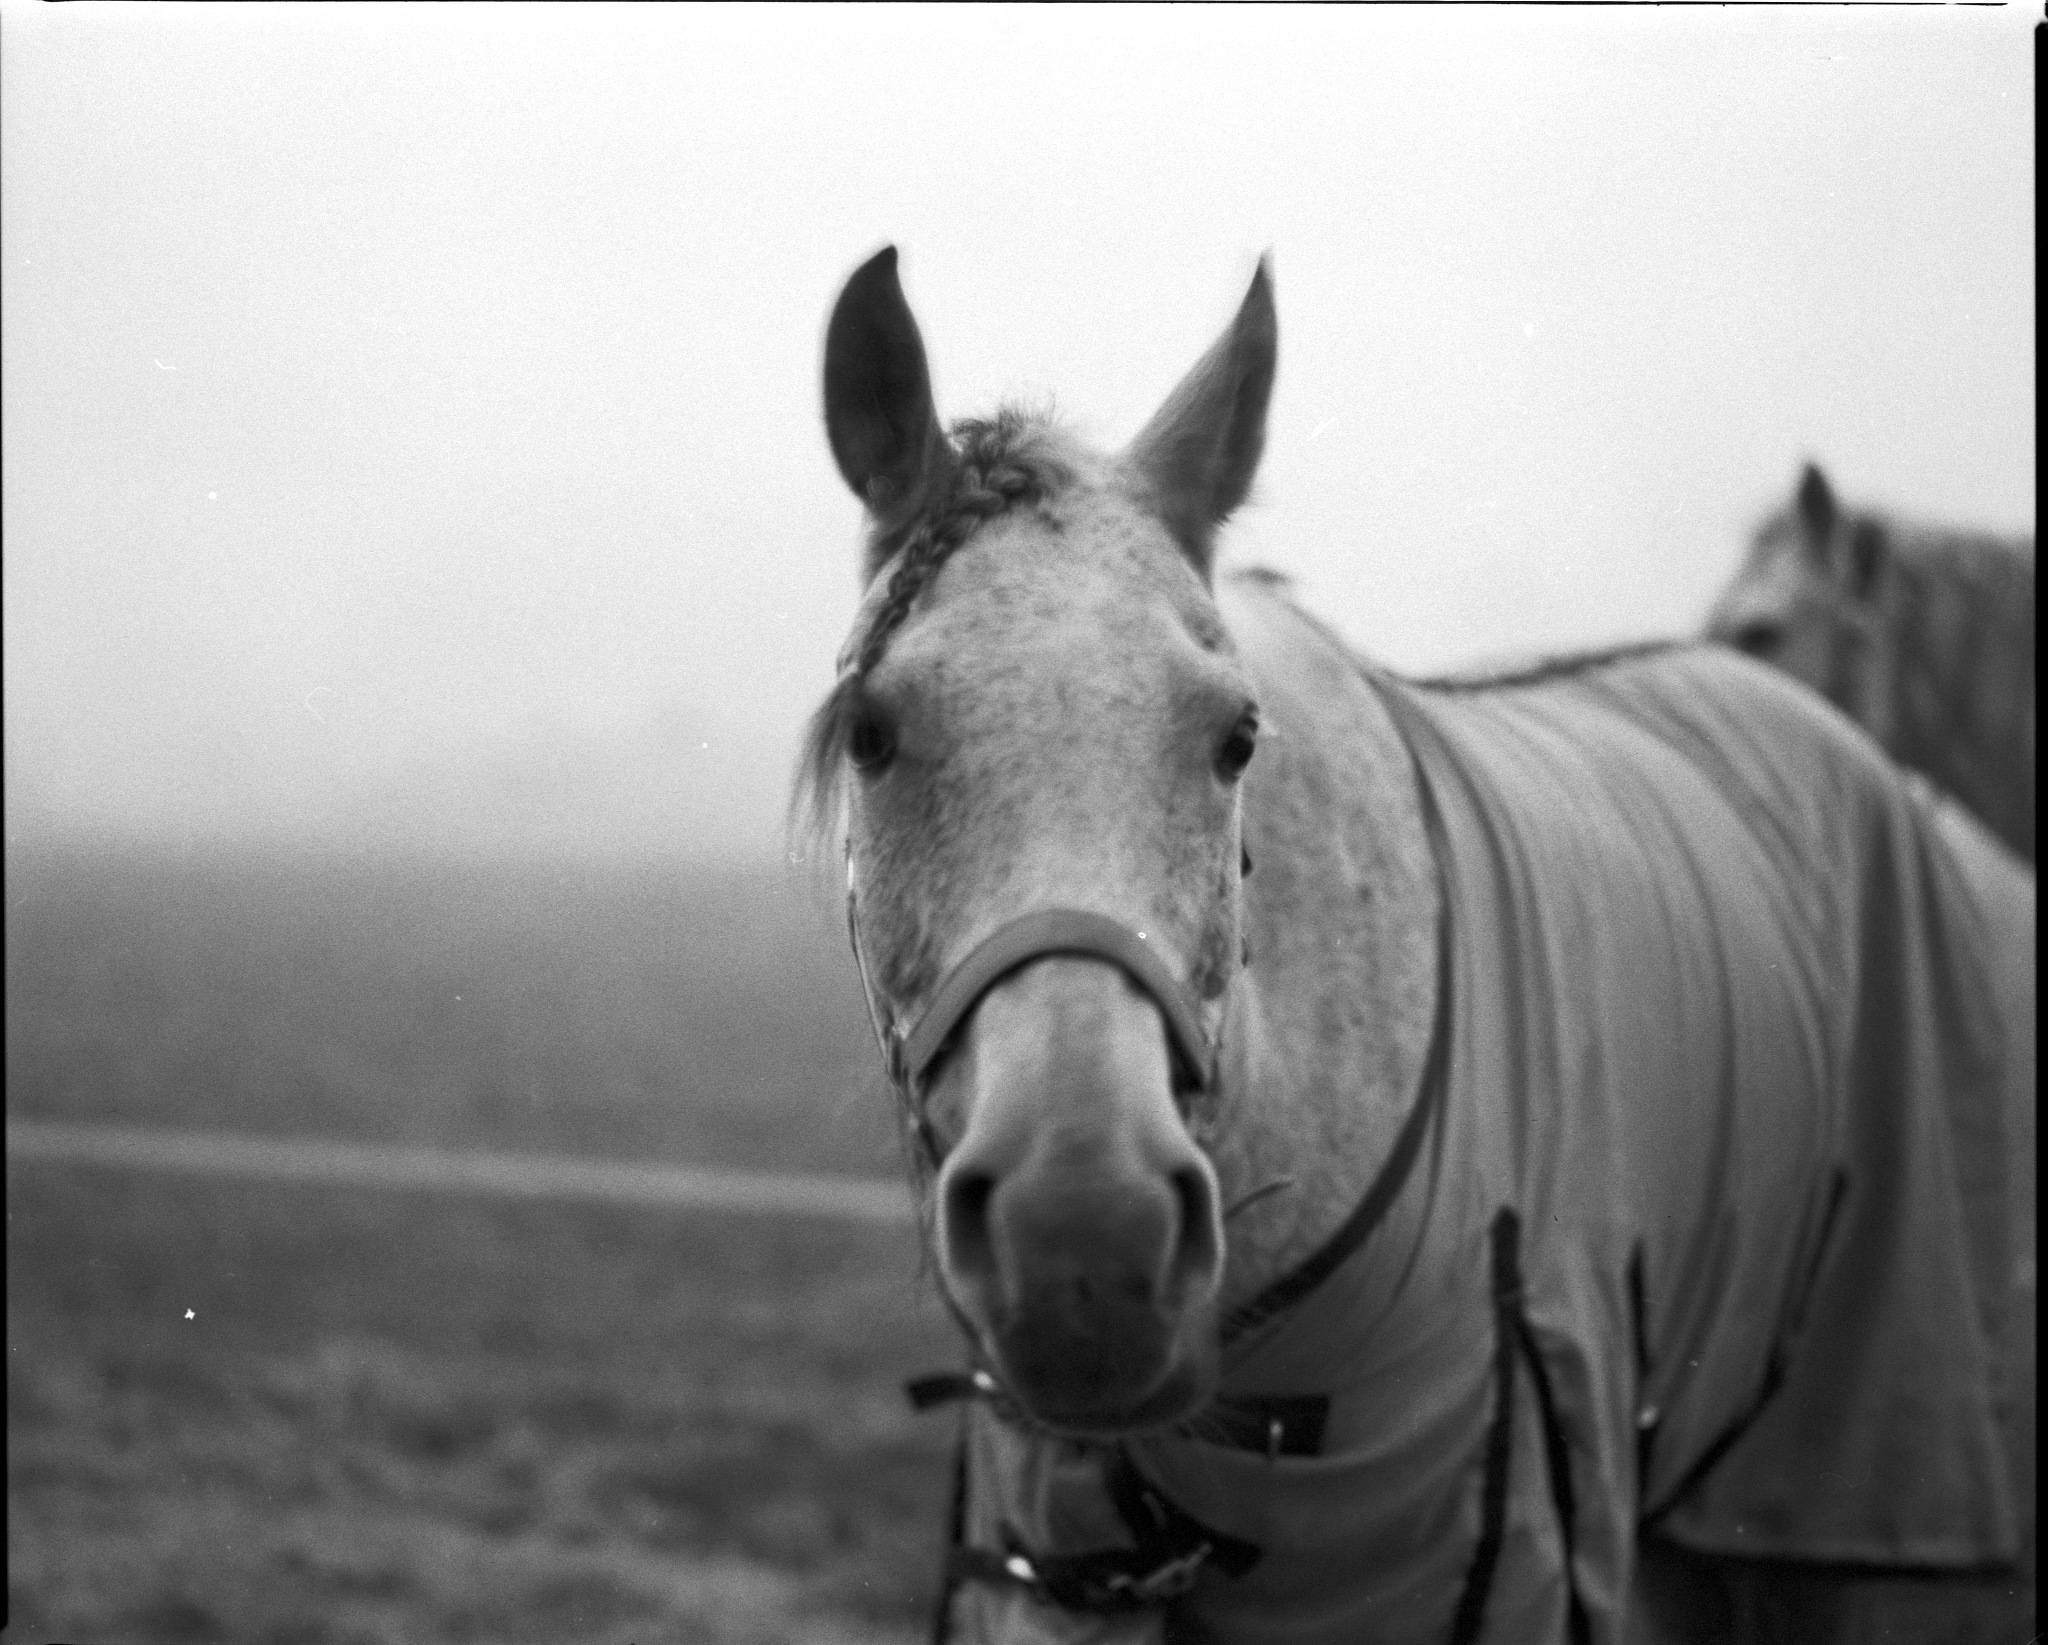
[
  {"x": 638, "y": 1013},
  {"x": 394, "y": 1416}
]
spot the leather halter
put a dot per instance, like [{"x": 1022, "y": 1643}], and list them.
[{"x": 910, "y": 1048}]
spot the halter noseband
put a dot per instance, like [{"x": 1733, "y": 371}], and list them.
[{"x": 909, "y": 1049}]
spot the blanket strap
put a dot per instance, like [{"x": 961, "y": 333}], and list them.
[
  {"x": 1507, "y": 1305},
  {"x": 1372, "y": 1208},
  {"x": 1430, "y": 1097},
  {"x": 1563, "y": 1499},
  {"x": 1515, "y": 1338}
]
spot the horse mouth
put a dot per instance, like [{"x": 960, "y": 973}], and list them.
[
  {"x": 1179, "y": 1397},
  {"x": 1079, "y": 1396}
]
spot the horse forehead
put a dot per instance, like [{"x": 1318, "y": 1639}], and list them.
[{"x": 1091, "y": 582}]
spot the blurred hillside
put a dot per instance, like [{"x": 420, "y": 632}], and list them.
[
  {"x": 622, "y": 1009},
  {"x": 343, "y": 772}
]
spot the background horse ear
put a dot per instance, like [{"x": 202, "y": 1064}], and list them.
[
  {"x": 879, "y": 414},
  {"x": 1199, "y": 451},
  {"x": 1816, "y": 509}
]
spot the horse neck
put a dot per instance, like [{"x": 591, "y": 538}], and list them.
[
  {"x": 1962, "y": 688},
  {"x": 1331, "y": 1025}
]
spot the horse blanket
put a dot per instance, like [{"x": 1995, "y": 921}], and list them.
[{"x": 1721, "y": 1218}]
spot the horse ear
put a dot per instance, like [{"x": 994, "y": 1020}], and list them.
[
  {"x": 1816, "y": 508},
  {"x": 879, "y": 415},
  {"x": 1198, "y": 453}
]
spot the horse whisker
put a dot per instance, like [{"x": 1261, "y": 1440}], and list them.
[{"x": 1257, "y": 1194}]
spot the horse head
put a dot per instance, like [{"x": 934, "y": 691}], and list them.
[
  {"x": 1806, "y": 602},
  {"x": 1036, "y": 743}
]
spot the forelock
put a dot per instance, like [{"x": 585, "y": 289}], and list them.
[
  {"x": 1017, "y": 458},
  {"x": 1013, "y": 459}
]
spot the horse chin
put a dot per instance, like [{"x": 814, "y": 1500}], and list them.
[
  {"x": 1184, "y": 1392},
  {"x": 1183, "y": 1387}
]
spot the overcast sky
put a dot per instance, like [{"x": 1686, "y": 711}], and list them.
[{"x": 411, "y": 414}]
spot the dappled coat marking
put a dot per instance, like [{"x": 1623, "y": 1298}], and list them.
[{"x": 1722, "y": 1046}]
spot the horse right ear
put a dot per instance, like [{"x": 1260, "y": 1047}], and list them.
[
  {"x": 1201, "y": 448},
  {"x": 879, "y": 416},
  {"x": 1816, "y": 509}
]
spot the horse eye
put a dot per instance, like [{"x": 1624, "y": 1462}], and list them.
[
  {"x": 1236, "y": 750},
  {"x": 1758, "y": 639},
  {"x": 872, "y": 742}
]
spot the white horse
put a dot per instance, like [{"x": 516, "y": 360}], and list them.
[{"x": 1579, "y": 1187}]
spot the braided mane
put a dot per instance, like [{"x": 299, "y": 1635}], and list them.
[{"x": 1000, "y": 462}]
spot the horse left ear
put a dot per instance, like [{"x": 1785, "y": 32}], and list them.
[
  {"x": 1198, "y": 453},
  {"x": 1817, "y": 509},
  {"x": 879, "y": 416}
]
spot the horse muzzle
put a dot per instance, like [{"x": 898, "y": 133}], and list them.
[
  {"x": 1077, "y": 1223},
  {"x": 1097, "y": 1318}
]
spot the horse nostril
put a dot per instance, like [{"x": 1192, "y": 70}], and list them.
[
  {"x": 964, "y": 1217},
  {"x": 1198, "y": 1251}
]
